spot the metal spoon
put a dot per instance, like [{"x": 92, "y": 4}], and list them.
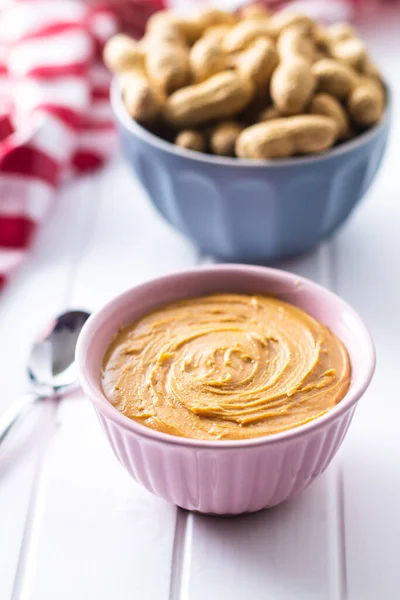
[{"x": 51, "y": 367}]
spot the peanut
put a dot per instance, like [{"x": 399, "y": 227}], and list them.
[
  {"x": 268, "y": 114},
  {"x": 213, "y": 16},
  {"x": 255, "y": 11},
  {"x": 351, "y": 51},
  {"x": 221, "y": 96},
  {"x": 191, "y": 140},
  {"x": 271, "y": 139},
  {"x": 366, "y": 98},
  {"x": 293, "y": 41},
  {"x": 334, "y": 77},
  {"x": 207, "y": 58},
  {"x": 320, "y": 36},
  {"x": 258, "y": 61},
  {"x": 369, "y": 69},
  {"x": 160, "y": 20},
  {"x": 192, "y": 26},
  {"x": 320, "y": 54},
  {"x": 244, "y": 33},
  {"x": 216, "y": 32},
  {"x": 167, "y": 67},
  {"x": 188, "y": 27},
  {"x": 169, "y": 34},
  {"x": 292, "y": 85},
  {"x": 281, "y": 138},
  {"x": 324, "y": 104},
  {"x": 122, "y": 53},
  {"x": 284, "y": 19},
  {"x": 339, "y": 32},
  {"x": 223, "y": 138},
  {"x": 313, "y": 133},
  {"x": 141, "y": 101},
  {"x": 366, "y": 102}
]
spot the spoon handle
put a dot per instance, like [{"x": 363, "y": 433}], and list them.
[{"x": 15, "y": 413}]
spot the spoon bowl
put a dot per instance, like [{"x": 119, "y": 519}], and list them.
[
  {"x": 52, "y": 359},
  {"x": 51, "y": 367}
]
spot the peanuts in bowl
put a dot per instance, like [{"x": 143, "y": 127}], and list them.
[{"x": 248, "y": 84}]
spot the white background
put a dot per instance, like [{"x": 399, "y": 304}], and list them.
[{"x": 73, "y": 525}]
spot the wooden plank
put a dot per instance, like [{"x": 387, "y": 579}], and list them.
[
  {"x": 372, "y": 452},
  {"x": 95, "y": 532},
  {"x": 286, "y": 553},
  {"x": 19, "y": 466},
  {"x": 367, "y": 269},
  {"x": 38, "y": 291},
  {"x": 276, "y": 554}
]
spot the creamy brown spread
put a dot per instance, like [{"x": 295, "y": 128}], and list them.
[{"x": 225, "y": 367}]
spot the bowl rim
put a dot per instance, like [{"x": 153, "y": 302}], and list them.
[
  {"x": 94, "y": 392},
  {"x": 122, "y": 115}
]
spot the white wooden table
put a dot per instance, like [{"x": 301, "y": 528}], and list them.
[{"x": 74, "y": 525}]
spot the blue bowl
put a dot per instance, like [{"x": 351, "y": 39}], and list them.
[{"x": 251, "y": 210}]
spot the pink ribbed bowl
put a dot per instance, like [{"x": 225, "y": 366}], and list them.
[{"x": 226, "y": 477}]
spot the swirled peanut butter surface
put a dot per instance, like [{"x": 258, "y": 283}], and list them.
[{"x": 225, "y": 367}]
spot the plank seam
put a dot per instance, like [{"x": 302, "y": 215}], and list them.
[
  {"x": 336, "y": 514},
  {"x": 181, "y": 556},
  {"x": 21, "y": 568},
  {"x": 29, "y": 526}
]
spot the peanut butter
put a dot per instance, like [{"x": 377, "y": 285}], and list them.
[{"x": 225, "y": 366}]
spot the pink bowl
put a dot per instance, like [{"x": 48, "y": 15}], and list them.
[{"x": 226, "y": 477}]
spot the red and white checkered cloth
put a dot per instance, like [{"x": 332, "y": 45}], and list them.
[
  {"x": 54, "y": 113},
  {"x": 55, "y": 119}
]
